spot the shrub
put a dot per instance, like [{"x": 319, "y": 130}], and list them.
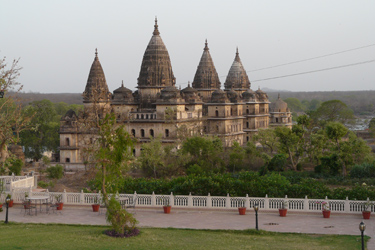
[
  {"x": 121, "y": 221},
  {"x": 55, "y": 172},
  {"x": 365, "y": 170},
  {"x": 15, "y": 166}
]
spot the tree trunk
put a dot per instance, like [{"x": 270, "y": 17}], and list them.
[{"x": 3, "y": 152}]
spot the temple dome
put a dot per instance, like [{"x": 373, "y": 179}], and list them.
[
  {"x": 96, "y": 88},
  {"x": 156, "y": 69},
  {"x": 237, "y": 77},
  {"x": 190, "y": 95},
  {"x": 233, "y": 96},
  {"x": 219, "y": 96},
  {"x": 261, "y": 96},
  {"x": 279, "y": 106},
  {"x": 122, "y": 95},
  {"x": 170, "y": 95},
  {"x": 206, "y": 76}
]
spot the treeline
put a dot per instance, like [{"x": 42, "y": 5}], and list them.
[
  {"x": 361, "y": 102},
  {"x": 318, "y": 140}
]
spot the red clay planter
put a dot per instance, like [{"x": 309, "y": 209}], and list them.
[
  {"x": 242, "y": 210},
  {"x": 366, "y": 215},
  {"x": 326, "y": 214},
  {"x": 282, "y": 212},
  {"x": 95, "y": 207},
  {"x": 167, "y": 209}
]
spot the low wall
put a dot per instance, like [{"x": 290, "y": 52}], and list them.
[{"x": 200, "y": 202}]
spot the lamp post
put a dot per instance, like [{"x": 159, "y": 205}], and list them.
[
  {"x": 7, "y": 200},
  {"x": 256, "y": 208},
  {"x": 362, "y": 227}
]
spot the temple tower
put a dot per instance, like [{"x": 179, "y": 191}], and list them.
[
  {"x": 206, "y": 79},
  {"x": 237, "y": 78},
  {"x": 156, "y": 71},
  {"x": 96, "y": 95}
]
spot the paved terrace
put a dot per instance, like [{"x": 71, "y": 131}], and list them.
[{"x": 297, "y": 222}]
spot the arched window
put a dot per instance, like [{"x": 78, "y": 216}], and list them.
[
  {"x": 216, "y": 113},
  {"x": 133, "y": 132},
  {"x": 147, "y": 116},
  {"x": 231, "y": 111},
  {"x": 217, "y": 128},
  {"x": 142, "y": 117},
  {"x": 142, "y": 133},
  {"x": 247, "y": 124},
  {"x": 167, "y": 133},
  {"x": 277, "y": 119},
  {"x": 137, "y": 116},
  {"x": 152, "y": 132},
  {"x": 67, "y": 160},
  {"x": 67, "y": 142},
  {"x": 247, "y": 138},
  {"x": 247, "y": 111}
]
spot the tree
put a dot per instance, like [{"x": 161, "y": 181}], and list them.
[
  {"x": 267, "y": 138},
  {"x": 152, "y": 157},
  {"x": 12, "y": 119},
  {"x": 294, "y": 104},
  {"x": 205, "y": 152},
  {"x": 236, "y": 156},
  {"x": 291, "y": 143},
  {"x": 332, "y": 111},
  {"x": 44, "y": 135}
]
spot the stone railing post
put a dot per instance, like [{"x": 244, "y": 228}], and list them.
[
  {"x": 64, "y": 199},
  {"x": 247, "y": 202},
  {"x": 135, "y": 199},
  {"x": 287, "y": 201},
  {"x": 190, "y": 200},
  {"x": 30, "y": 191},
  {"x": 171, "y": 200},
  {"x": 347, "y": 205},
  {"x": 209, "y": 201},
  {"x": 227, "y": 202},
  {"x": 153, "y": 199},
  {"x": 35, "y": 184},
  {"x": 266, "y": 203},
  {"x": 306, "y": 204},
  {"x": 81, "y": 197}
]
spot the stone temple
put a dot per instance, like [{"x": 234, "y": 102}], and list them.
[{"x": 158, "y": 108}]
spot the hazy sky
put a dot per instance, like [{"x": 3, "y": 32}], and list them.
[{"x": 56, "y": 40}]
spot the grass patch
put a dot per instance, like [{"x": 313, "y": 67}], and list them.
[{"x": 58, "y": 236}]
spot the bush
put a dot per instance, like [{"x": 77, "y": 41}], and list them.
[
  {"x": 122, "y": 221},
  {"x": 55, "y": 172},
  {"x": 14, "y": 165},
  {"x": 365, "y": 170}
]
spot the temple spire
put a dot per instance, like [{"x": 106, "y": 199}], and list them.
[
  {"x": 206, "y": 46},
  {"x": 237, "y": 56},
  {"x": 156, "y": 30}
]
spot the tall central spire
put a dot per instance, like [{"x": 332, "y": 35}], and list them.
[
  {"x": 156, "y": 69},
  {"x": 156, "y": 30}
]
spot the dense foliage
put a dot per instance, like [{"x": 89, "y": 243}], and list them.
[{"x": 293, "y": 184}]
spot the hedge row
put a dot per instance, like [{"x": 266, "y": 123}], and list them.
[{"x": 251, "y": 183}]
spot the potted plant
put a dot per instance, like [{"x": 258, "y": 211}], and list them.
[
  {"x": 326, "y": 209},
  {"x": 366, "y": 213},
  {"x": 167, "y": 207},
  {"x": 11, "y": 200},
  {"x": 242, "y": 210},
  {"x": 284, "y": 208},
  {"x": 96, "y": 205},
  {"x": 59, "y": 202}
]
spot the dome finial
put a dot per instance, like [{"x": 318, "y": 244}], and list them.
[
  {"x": 237, "y": 56},
  {"x": 205, "y": 45},
  {"x": 188, "y": 84},
  {"x": 96, "y": 52},
  {"x": 122, "y": 83},
  {"x": 156, "y": 30}
]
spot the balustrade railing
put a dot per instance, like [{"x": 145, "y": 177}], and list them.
[{"x": 199, "y": 202}]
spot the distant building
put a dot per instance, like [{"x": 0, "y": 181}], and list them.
[
  {"x": 158, "y": 108},
  {"x": 280, "y": 114}
]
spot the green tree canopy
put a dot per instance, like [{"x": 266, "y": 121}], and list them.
[{"x": 332, "y": 111}]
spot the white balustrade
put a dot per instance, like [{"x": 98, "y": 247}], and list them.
[{"x": 199, "y": 202}]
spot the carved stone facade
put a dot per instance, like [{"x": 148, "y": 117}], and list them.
[{"x": 158, "y": 108}]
